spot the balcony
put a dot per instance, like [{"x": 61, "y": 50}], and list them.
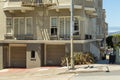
[
  {"x": 9, "y": 36},
  {"x": 19, "y": 36},
  {"x": 37, "y": 2},
  {"x": 65, "y": 4},
  {"x": 16, "y": 5},
  {"x": 78, "y": 2},
  {"x": 26, "y": 5},
  {"x": 90, "y": 8},
  {"x": 103, "y": 13}
]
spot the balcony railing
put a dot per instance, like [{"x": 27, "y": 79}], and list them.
[
  {"x": 33, "y": 2},
  {"x": 78, "y": 2},
  {"x": 43, "y": 37},
  {"x": 90, "y": 4},
  {"x": 24, "y": 37},
  {"x": 19, "y": 36},
  {"x": 14, "y": 0}
]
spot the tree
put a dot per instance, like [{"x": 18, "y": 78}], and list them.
[{"x": 109, "y": 41}]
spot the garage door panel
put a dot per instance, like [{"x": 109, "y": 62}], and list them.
[
  {"x": 54, "y": 54},
  {"x": 18, "y": 56}
]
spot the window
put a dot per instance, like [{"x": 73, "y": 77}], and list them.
[
  {"x": 23, "y": 25},
  {"x": 76, "y": 26},
  {"x": 38, "y": 1},
  {"x": 89, "y": 0},
  {"x": 19, "y": 25},
  {"x": 9, "y": 26},
  {"x": 62, "y": 24},
  {"x": 29, "y": 29},
  {"x": 67, "y": 27},
  {"x": 32, "y": 54},
  {"x": 53, "y": 26}
]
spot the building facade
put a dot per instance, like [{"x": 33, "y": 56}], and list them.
[{"x": 36, "y": 33}]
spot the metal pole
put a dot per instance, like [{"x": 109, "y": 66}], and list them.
[
  {"x": 71, "y": 31},
  {"x": 104, "y": 39}
]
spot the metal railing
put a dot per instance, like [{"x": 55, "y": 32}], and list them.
[
  {"x": 90, "y": 4},
  {"x": 33, "y": 2},
  {"x": 78, "y": 2},
  {"x": 19, "y": 36},
  {"x": 24, "y": 36},
  {"x": 49, "y": 37}
]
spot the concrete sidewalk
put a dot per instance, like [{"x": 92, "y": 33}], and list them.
[
  {"x": 53, "y": 73},
  {"x": 100, "y": 66},
  {"x": 95, "y": 68}
]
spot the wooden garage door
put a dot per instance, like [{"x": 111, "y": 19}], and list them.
[
  {"x": 18, "y": 56},
  {"x": 54, "y": 54}
]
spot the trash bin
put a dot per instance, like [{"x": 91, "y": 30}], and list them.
[{"x": 111, "y": 58}]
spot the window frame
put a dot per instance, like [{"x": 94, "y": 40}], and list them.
[
  {"x": 18, "y": 24},
  {"x": 74, "y": 31},
  {"x": 33, "y": 54},
  {"x": 57, "y": 25},
  {"x": 26, "y": 25},
  {"x": 8, "y": 26},
  {"x": 65, "y": 23},
  {"x": 61, "y": 17}
]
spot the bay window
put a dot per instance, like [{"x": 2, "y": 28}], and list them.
[
  {"x": 61, "y": 26},
  {"x": 20, "y": 27}
]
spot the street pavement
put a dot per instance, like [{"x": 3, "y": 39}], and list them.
[
  {"x": 114, "y": 75},
  {"x": 81, "y": 72}
]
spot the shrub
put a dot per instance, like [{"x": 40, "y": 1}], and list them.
[{"x": 79, "y": 58}]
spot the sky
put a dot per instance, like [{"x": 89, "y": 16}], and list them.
[{"x": 112, "y": 14}]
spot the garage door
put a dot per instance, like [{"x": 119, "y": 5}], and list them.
[
  {"x": 54, "y": 53},
  {"x": 18, "y": 56}
]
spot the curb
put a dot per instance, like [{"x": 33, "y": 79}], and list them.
[{"x": 80, "y": 71}]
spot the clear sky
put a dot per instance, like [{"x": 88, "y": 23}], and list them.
[{"x": 112, "y": 14}]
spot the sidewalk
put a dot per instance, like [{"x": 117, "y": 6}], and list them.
[
  {"x": 55, "y": 73},
  {"x": 100, "y": 66}
]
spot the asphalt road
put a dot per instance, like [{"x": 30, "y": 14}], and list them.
[{"x": 114, "y": 75}]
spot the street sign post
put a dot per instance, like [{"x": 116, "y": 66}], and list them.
[{"x": 71, "y": 30}]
